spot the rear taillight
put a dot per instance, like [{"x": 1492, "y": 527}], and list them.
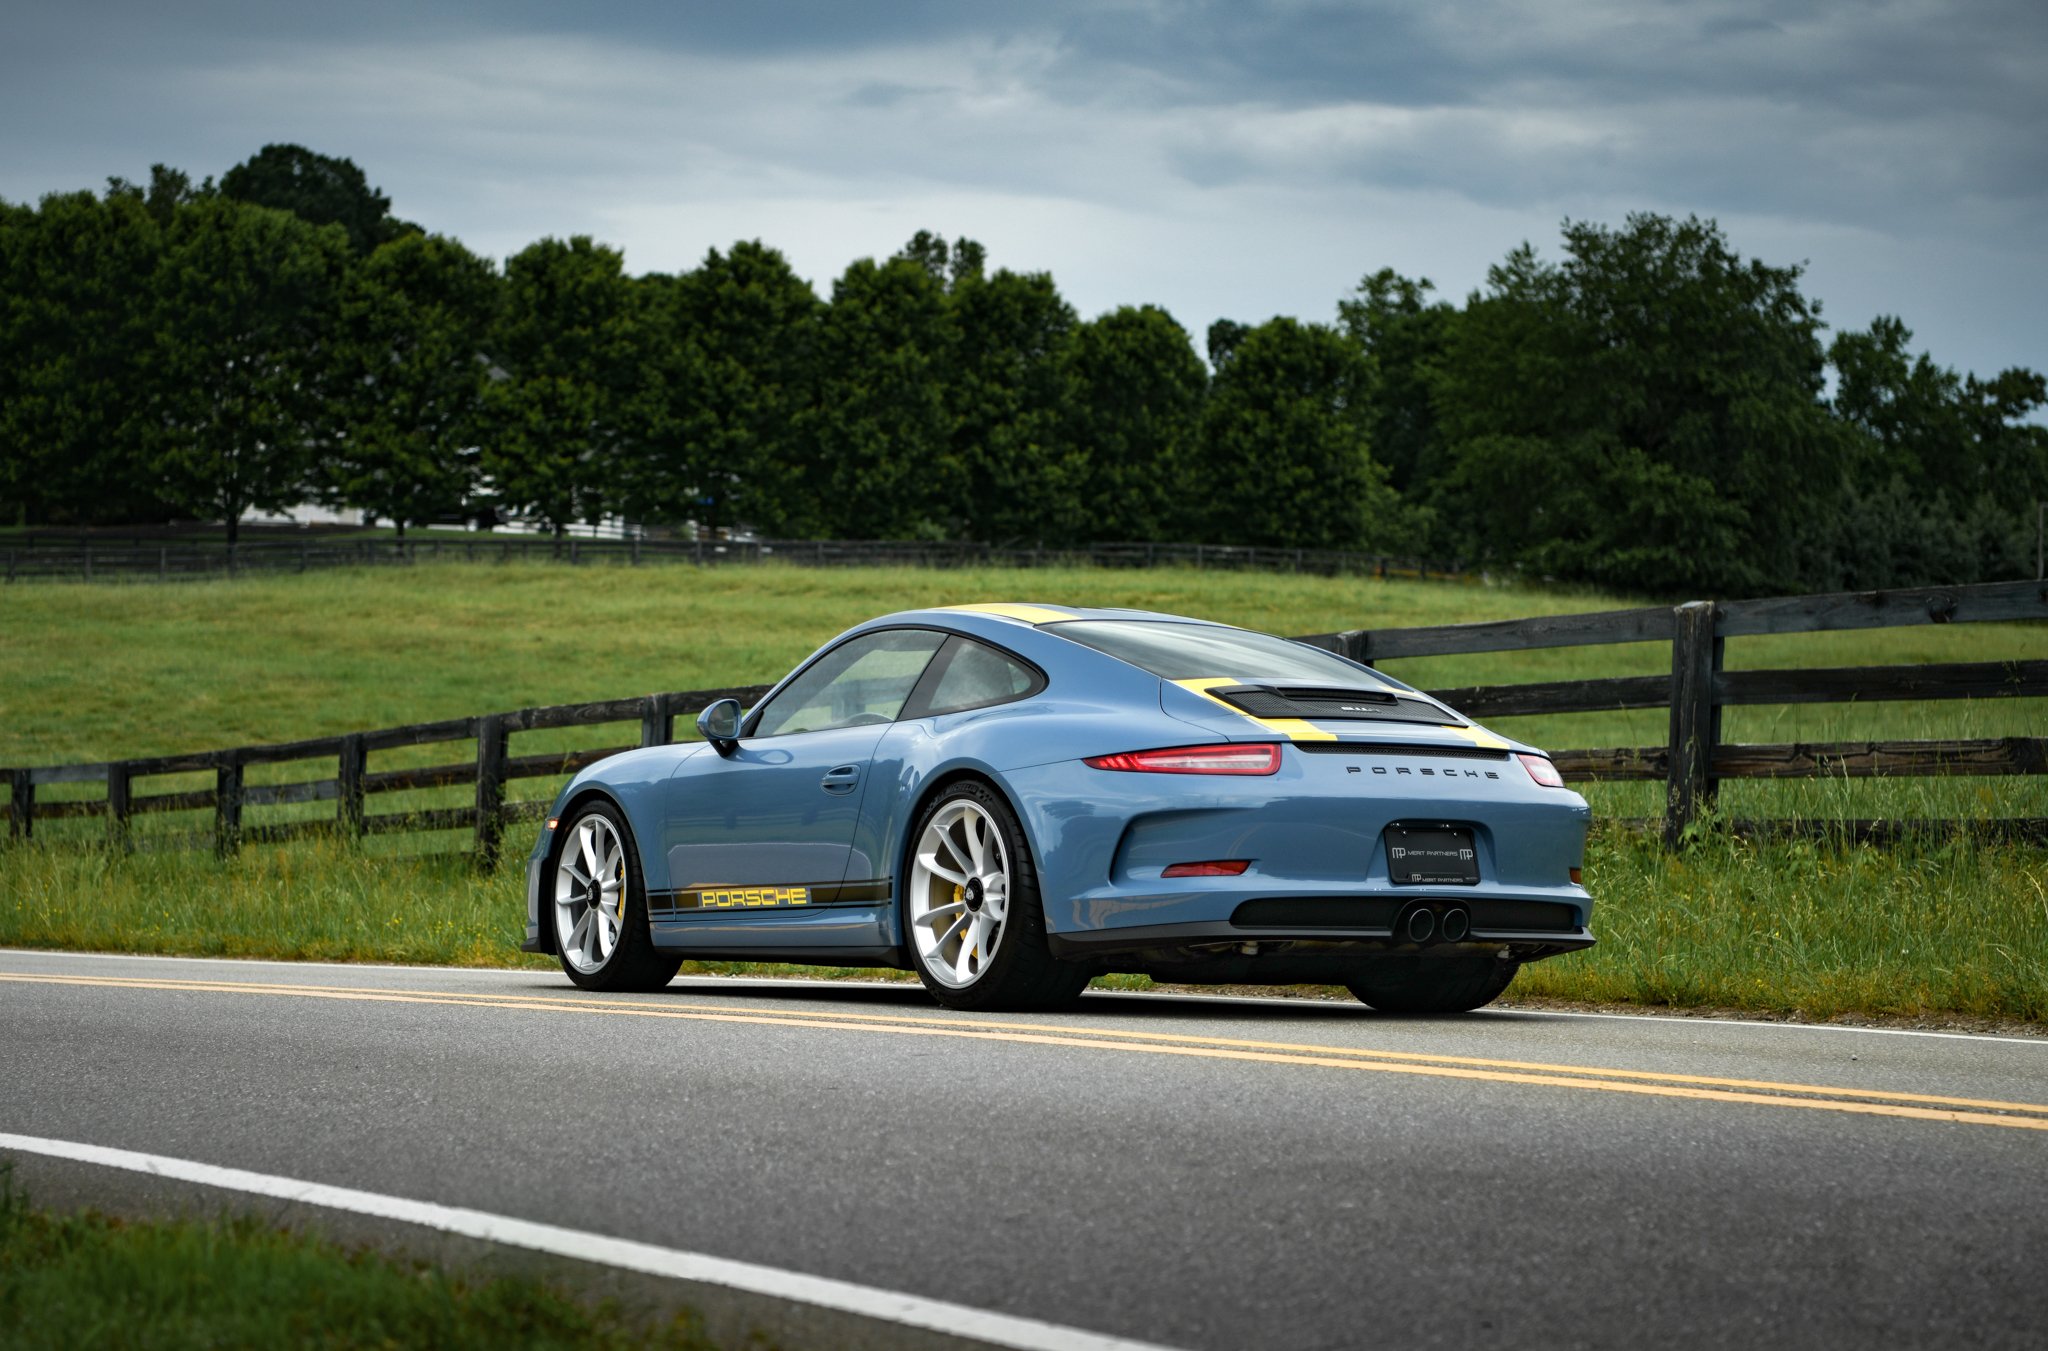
[
  {"x": 1541, "y": 770},
  {"x": 1254, "y": 758}
]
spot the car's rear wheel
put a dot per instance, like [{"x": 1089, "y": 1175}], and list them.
[
  {"x": 971, "y": 916},
  {"x": 600, "y": 908},
  {"x": 1434, "y": 984}
]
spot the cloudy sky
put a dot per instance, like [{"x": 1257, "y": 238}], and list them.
[{"x": 1237, "y": 158}]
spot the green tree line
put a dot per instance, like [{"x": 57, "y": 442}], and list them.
[{"x": 1649, "y": 410}]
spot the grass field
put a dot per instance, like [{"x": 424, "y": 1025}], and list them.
[
  {"x": 71, "y": 1280},
  {"x": 94, "y": 672}
]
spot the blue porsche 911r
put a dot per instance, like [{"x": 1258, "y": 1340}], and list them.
[{"x": 1010, "y": 799}]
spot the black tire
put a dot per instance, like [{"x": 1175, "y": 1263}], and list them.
[
  {"x": 1434, "y": 984},
  {"x": 1022, "y": 973},
  {"x": 634, "y": 963}
]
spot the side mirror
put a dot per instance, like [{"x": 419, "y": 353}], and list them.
[{"x": 720, "y": 725}]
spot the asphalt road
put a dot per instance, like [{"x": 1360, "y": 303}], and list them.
[{"x": 1197, "y": 1172}]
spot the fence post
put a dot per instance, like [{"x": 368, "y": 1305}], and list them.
[
  {"x": 117, "y": 803},
  {"x": 1694, "y": 658},
  {"x": 657, "y": 721},
  {"x": 227, "y": 804},
  {"x": 21, "y": 805},
  {"x": 348, "y": 782},
  {"x": 490, "y": 788}
]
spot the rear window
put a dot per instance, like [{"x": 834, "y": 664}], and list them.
[{"x": 1200, "y": 651}]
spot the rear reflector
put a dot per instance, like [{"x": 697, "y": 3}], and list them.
[
  {"x": 1221, "y": 867},
  {"x": 1541, "y": 770},
  {"x": 1576, "y": 879},
  {"x": 1253, "y": 758}
]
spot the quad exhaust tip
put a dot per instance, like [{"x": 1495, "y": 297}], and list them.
[{"x": 1424, "y": 925}]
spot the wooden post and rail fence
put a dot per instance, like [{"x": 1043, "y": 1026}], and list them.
[{"x": 1691, "y": 763}]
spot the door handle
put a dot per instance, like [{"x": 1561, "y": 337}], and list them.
[{"x": 841, "y": 780}]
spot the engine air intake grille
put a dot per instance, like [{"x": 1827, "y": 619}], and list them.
[{"x": 1291, "y": 701}]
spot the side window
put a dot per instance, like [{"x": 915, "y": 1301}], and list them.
[
  {"x": 976, "y": 676},
  {"x": 862, "y": 681}
]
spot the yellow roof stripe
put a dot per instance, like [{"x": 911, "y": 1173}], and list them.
[
  {"x": 1030, "y": 614},
  {"x": 1294, "y": 729}
]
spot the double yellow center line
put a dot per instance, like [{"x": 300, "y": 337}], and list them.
[{"x": 1644, "y": 1083}]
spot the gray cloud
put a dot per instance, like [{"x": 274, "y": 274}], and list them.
[{"x": 1217, "y": 156}]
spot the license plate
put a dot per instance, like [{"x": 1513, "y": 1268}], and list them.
[{"x": 1432, "y": 856}]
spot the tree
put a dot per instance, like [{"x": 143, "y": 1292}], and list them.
[
  {"x": 1935, "y": 429},
  {"x": 168, "y": 190},
  {"x": 408, "y": 378},
  {"x": 880, "y": 461},
  {"x": 1224, "y": 337},
  {"x": 1132, "y": 390},
  {"x": 946, "y": 264},
  {"x": 1405, "y": 333},
  {"x": 1645, "y": 414},
  {"x": 76, "y": 378},
  {"x": 558, "y": 412},
  {"x": 1284, "y": 454},
  {"x": 732, "y": 349},
  {"x": 1005, "y": 382},
  {"x": 316, "y": 188},
  {"x": 1944, "y": 471},
  {"x": 244, "y": 308}
]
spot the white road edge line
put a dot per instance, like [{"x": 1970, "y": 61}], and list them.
[
  {"x": 1023, "y": 1334},
  {"x": 771, "y": 981}
]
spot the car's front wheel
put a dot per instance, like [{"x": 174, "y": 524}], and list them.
[
  {"x": 1433, "y": 984},
  {"x": 600, "y": 908},
  {"x": 972, "y": 917}
]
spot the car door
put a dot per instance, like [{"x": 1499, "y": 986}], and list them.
[{"x": 770, "y": 827}]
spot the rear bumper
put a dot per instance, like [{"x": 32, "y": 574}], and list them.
[
  {"x": 1231, "y": 954},
  {"x": 1189, "y": 941}
]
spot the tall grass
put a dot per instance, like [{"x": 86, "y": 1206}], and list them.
[
  {"x": 316, "y": 900},
  {"x": 70, "y": 1280},
  {"x": 1923, "y": 927}
]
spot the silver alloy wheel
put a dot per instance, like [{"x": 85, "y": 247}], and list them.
[
  {"x": 959, "y": 893},
  {"x": 590, "y": 893}
]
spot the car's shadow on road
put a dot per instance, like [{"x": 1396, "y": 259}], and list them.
[{"x": 1149, "y": 1006}]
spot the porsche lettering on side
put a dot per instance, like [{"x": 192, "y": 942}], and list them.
[{"x": 1009, "y": 799}]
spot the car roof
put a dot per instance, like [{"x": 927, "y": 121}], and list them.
[{"x": 1035, "y": 613}]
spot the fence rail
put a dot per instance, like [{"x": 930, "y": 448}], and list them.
[
  {"x": 1691, "y": 763},
  {"x": 84, "y": 558}
]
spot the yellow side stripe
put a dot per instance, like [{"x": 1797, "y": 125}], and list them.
[
  {"x": 1480, "y": 737},
  {"x": 1974, "y": 1111},
  {"x": 1030, "y": 614}
]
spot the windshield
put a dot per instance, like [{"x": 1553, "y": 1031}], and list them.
[{"x": 1200, "y": 651}]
